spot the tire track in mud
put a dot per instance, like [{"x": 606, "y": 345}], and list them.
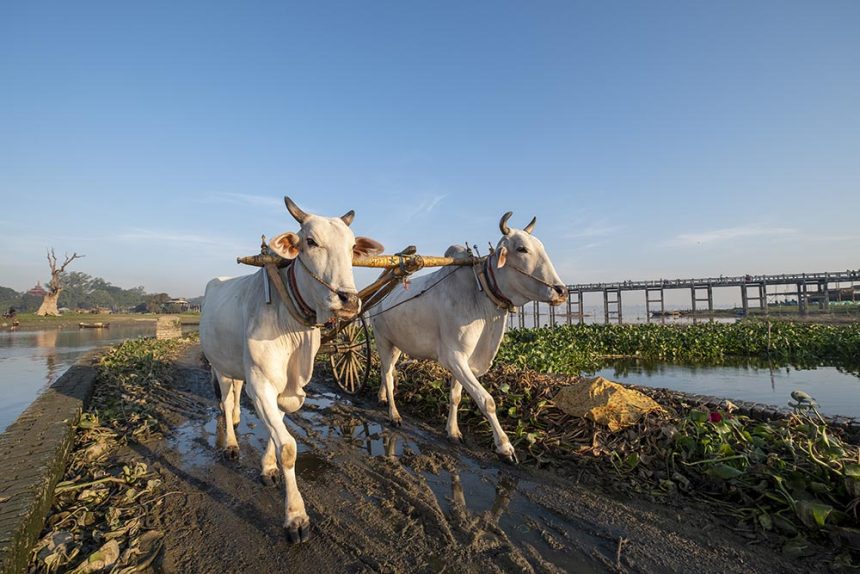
[{"x": 403, "y": 500}]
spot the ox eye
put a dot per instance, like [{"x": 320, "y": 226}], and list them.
[
  {"x": 522, "y": 249},
  {"x": 311, "y": 242}
]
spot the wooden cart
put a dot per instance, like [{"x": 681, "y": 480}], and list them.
[{"x": 348, "y": 343}]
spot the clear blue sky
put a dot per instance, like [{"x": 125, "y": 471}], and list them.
[{"x": 650, "y": 139}]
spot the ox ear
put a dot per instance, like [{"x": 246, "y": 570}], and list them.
[
  {"x": 348, "y": 217},
  {"x": 503, "y": 257},
  {"x": 286, "y": 245},
  {"x": 366, "y": 246}
]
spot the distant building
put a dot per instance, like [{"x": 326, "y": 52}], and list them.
[
  {"x": 175, "y": 306},
  {"x": 37, "y": 291}
]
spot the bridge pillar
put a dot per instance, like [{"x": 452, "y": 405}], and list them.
[
  {"x": 802, "y": 302},
  {"x": 762, "y": 297},
  {"x": 693, "y": 299},
  {"x": 606, "y": 306},
  {"x": 744, "y": 302},
  {"x": 825, "y": 301},
  {"x": 536, "y": 314},
  {"x": 607, "y": 313},
  {"x": 569, "y": 307},
  {"x": 649, "y": 300},
  {"x": 581, "y": 308},
  {"x": 711, "y": 301}
]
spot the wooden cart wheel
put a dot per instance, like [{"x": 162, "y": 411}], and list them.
[{"x": 350, "y": 361}]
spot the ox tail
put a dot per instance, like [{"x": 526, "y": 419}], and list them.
[{"x": 213, "y": 378}]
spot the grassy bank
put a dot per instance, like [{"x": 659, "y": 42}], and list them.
[
  {"x": 33, "y": 321},
  {"x": 576, "y": 348}
]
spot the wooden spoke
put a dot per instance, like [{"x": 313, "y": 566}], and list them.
[{"x": 351, "y": 361}]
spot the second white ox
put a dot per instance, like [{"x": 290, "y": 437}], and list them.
[
  {"x": 446, "y": 316},
  {"x": 271, "y": 347}
]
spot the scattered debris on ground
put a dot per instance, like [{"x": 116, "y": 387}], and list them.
[
  {"x": 792, "y": 480},
  {"x": 101, "y": 518}
]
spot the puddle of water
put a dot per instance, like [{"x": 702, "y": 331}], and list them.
[{"x": 483, "y": 500}]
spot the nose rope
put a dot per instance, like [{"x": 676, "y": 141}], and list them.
[
  {"x": 323, "y": 282},
  {"x": 530, "y": 276}
]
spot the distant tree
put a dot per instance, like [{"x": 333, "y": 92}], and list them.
[
  {"x": 76, "y": 288},
  {"x": 101, "y": 298},
  {"x": 55, "y": 286},
  {"x": 156, "y": 302},
  {"x": 9, "y": 298}
]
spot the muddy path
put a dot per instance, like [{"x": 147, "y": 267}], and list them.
[{"x": 405, "y": 500}]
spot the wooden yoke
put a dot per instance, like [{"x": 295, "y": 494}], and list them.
[
  {"x": 406, "y": 262},
  {"x": 396, "y": 268}
]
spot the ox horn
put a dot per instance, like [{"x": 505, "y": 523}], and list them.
[
  {"x": 348, "y": 217},
  {"x": 294, "y": 210},
  {"x": 503, "y": 224},
  {"x": 530, "y": 227}
]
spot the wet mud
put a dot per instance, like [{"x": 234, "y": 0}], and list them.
[{"x": 384, "y": 499}]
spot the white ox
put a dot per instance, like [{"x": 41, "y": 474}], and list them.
[
  {"x": 271, "y": 348},
  {"x": 445, "y": 316}
]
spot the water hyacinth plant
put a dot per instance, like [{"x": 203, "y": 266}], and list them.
[{"x": 572, "y": 349}]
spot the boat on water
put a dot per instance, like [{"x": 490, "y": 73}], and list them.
[{"x": 93, "y": 325}]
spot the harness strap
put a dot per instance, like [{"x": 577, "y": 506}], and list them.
[
  {"x": 298, "y": 309},
  {"x": 490, "y": 287}
]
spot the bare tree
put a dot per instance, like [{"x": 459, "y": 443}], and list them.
[{"x": 55, "y": 287}]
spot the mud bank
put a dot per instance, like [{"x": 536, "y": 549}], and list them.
[{"x": 384, "y": 499}]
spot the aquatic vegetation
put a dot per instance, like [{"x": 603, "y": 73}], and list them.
[
  {"x": 793, "y": 476},
  {"x": 572, "y": 349}
]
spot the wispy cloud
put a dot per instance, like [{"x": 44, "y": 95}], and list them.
[
  {"x": 271, "y": 201},
  {"x": 161, "y": 236},
  {"x": 427, "y": 204},
  {"x": 729, "y": 234},
  {"x": 592, "y": 230}
]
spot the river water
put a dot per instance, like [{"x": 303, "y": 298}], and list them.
[
  {"x": 31, "y": 360},
  {"x": 836, "y": 391}
]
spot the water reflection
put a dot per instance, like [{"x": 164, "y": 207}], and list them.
[
  {"x": 31, "y": 360},
  {"x": 837, "y": 389}
]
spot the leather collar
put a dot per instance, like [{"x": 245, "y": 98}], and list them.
[{"x": 289, "y": 294}]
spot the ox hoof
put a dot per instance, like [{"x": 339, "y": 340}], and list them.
[
  {"x": 299, "y": 530},
  {"x": 270, "y": 477},
  {"x": 508, "y": 454},
  {"x": 231, "y": 452},
  {"x": 398, "y": 422},
  {"x": 511, "y": 458},
  {"x": 456, "y": 438}
]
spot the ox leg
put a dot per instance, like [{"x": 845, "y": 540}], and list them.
[
  {"x": 231, "y": 445},
  {"x": 237, "y": 398},
  {"x": 388, "y": 355},
  {"x": 458, "y": 364},
  {"x": 265, "y": 398},
  {"x": 269, "y": 472},
  {"x": 453, "y": 427}
]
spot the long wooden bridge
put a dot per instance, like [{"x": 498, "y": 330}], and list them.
[{"x": 808, "y": 288}]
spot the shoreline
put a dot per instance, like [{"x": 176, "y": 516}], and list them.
[{"x": 28, "y": 322}]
